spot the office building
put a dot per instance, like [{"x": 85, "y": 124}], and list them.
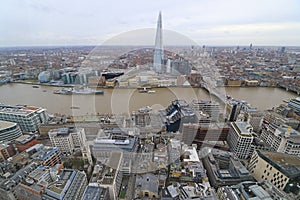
[
  {"x": 224, "y": 168},
  {"x": 158, "y": 49},
  {"x": 29, "y": 118},
  {"x": 281, "y": 139},
  {"x": 70, "y": 185},
  {"x": 47, "y": 156},
  {"x": 24, "y": 142},
  {"x": 9, "y": 131},
  {"x": 280, "y": 169},
  {"x": 178, "y": 113},
  {"x": 233, "y": 109},
  {"x": 198, "y": 133},
  {"x": 67, "y": 140},
  {"x": 295, "y": 104},
  {"x": 255, "y": 119},
  {"x": 240, "y": 139},
  {"x": 112, "y": 140},
  {"x": 95, "y": 192},
  {"x": 210, "y": 107},
  {"x": 246, "y": 190},
  {"x": 44, "y": 77},
  {"x": 8, "y": 186},
  {"x": 109, "y": 174}
]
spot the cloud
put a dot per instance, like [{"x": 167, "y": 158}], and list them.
[{"x": 202, "y": 20}]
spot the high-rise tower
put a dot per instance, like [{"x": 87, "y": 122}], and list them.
[{"x": 158, "y": 51}]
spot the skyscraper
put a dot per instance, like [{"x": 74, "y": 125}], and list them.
[{"x": 158, "y": 51}]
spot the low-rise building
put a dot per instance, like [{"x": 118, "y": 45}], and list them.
[
  {"x": 24, "y": 142},
  {"x": 146, "y": 185},
  {"x": 6, "y": 151}
]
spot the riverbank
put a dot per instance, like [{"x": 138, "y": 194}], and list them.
[{"x": 150, "y": 87}]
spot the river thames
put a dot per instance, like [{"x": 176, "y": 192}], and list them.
[{"x": 119, "y": 101}]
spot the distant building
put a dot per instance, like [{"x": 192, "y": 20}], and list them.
[
  {"x": 158, "y": 51},
  {"x": 9, "y": 131},
  {"x": 44, "y": 77},
  {"x": 240, "y": 139},
  {"x": 70, "y": 185},
  {"x": 29, "y": 118},
  {"x": 233, "y": 83},
  {"x": 281, "y": 169},
  {"x": 252, "y": 83},
  {"x": 95, "y": 192},
  {"x": 224, "y": 168}
]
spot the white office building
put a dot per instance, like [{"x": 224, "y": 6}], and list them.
[{"x": 240, "y": 139}]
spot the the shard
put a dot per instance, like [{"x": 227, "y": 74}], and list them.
[{"x": 158, "y": 51}]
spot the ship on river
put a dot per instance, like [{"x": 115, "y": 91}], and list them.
[{"x": 78, "y": 91}]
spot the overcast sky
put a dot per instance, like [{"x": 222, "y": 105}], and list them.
[{"x": 92, "y": 22}]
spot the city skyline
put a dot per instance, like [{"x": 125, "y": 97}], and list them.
[{"x": 36, "y": 23}]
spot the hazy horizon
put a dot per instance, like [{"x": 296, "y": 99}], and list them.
[{"x": 210, "y": 23}]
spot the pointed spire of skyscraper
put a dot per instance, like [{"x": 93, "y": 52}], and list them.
[{"x": 158, "y": 51}]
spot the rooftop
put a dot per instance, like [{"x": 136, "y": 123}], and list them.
[
  {"x": 18, "y": 110},
  {"x": 287, "y": 164},
  {"x": 242, "y": 128},
  {"x": 147, "y": 182},
  {"x": 23, "y": 139},
  {"x": 93, "y": 192},
  {"x": 6, "y": 124}
]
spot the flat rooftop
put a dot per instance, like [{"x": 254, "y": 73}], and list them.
[
  {"x": 288, "y": 164},
  {"x": 242, "y": 128},
  {"x": 23, "y": 139},
  {"x": 93, "y": 192},
  {"x": 6, "y": 124}
]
